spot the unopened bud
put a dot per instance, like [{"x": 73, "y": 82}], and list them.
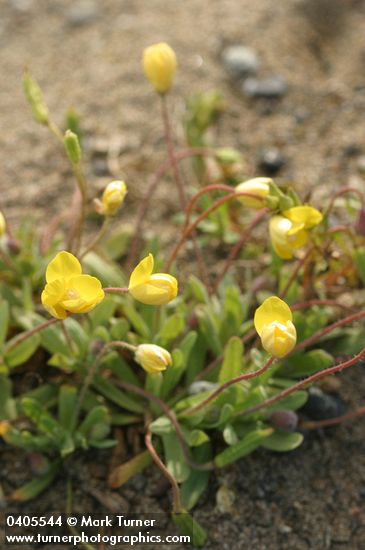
[
  {"x": 35, "y": 99},
  {"x": 159, "y": 64},
  {"x": 152, "y": 358},
  {"x": 284, "y": 420},
  {"x": 113, "y": 197},
  {"x": 72, "y": 147}
]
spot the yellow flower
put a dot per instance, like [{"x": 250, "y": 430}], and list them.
[
  {"x": 67, "y": 289},
  {"x": 2, "y": 225},
  {"x": 290, "y": 231},
  {"x": 113, "y": 197},
  {"x": 273, "y": 322},
  {"x": 156, "y": 289},
  {"x": 159, "y": 65},
  {"x": 152, "y": 358},
  {"x": 255, "y": 186}
]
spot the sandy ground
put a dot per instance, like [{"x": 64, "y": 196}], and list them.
[{"x": 314, "y": 497}]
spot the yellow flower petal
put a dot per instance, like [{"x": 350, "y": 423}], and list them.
[
  {"x": 307, "y": 216},
  {"x": 279, "y": 339},
  {"x": 272, "y": 310},
  {"x": 286, "y": 237},
  {"x": 142, "y": 272},
  {"x": 63, "y": 265},
  {"x": 159, "y": 65},
  {"x": 83, "y": 294},
  {"x": 152, "y": 358},
  {"x": 160, "y": 289}
]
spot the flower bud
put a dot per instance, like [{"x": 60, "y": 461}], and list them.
[
  {"x": 72, "y": 147},
  {"x": 360, "y": 223},
  {"x": 34, "y": 96},
  {"x": 152, "y": 358},
  {"x": 113, "y": 197},
  {"x": 152, "y": 289},
  {"x": 2, "y": 224},
  {"x": 255, "y": 186},
  {"x": 284, "y": 420},
  {"x": 273, "y": 322},
  {"x": 159, "y": 65},
  {"x": 279, "y": 339}
]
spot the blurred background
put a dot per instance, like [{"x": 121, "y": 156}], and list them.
[{"x": 291, "y": 74}]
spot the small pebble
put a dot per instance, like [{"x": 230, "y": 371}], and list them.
[
  {"x": 240, "y": 61},
  {"x": 225, "y": 500},
  {"x": 321, "y": 406},
  {"x": 284, "y": 529},
  {"x": 268, "y": 88},
  {"x": 271, "y": 161},
  {"x": 201, "y": 386},
  {"x": 82, "y": 12}
]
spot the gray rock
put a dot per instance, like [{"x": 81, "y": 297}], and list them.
[
  {"x": 82, "y": 12},
  {"x": 240, "y": 61},
  {"x": 321, "y": 406},
  {"x": 271, "y": 161},
  {"x": 201, "y": 386},
  {"x": 267, "y": 88}
]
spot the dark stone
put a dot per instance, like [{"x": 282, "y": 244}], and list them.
[
  {"x": 271, "y": 161},
  {"x": 268, "y": 88},
  {"x": 284, "y": 420},
  {"x": 240, "y": 61},
  {"x": 321, "y": 406}
]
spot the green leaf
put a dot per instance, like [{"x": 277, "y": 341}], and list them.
[
  {"x": 171, "y": 329},
  {"x": 291, "y": 402},
  {"x": 7, "y": 403},
  {"x": 119, "y": 329},
  {"x": 175, "y": 460},
  {"x": 161, "y": 426},
  {"x": 114, "y": 394},
  {"x": 36, "y": 486},
  {"x": 197, "y": 438},
  {"x": 230, "y": 435},
  {"x": 67, "y": 401},
  {"x": 209, "y": 327},
  {"x": 244, "y": 447},
  {"x": 120, "y": 475},
  {"x": 97, "y": 415},
  {"x": 137, "y": 321},
  {"x": 359, "y": 257},
  {"x": 106, "y": 271},
  {"x": 4, "y": 321},
  {"x": 102, "y": 314},
  {"x": 189, "y": 526},
  {"x": 22, "y": 352},
  {"x": 304, "y": 364},
  {"x": 192, "y": 489},
  {"x": 198, "y": 289},
  {"x": 180, "y": 359},
  {"x": 232, "y": 363},
  {"x": 282, "y": 441}
]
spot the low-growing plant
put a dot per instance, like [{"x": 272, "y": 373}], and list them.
[{"x": 213, "y": 365}]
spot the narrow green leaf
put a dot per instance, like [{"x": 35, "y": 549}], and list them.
[
  {"x": 22, "y": 352},
  {"x": 4, "y": 321},
  {"x": 282, "y": 441},
  {"x": 67, "y": 400},
  {"x": 232, "y": 363},
  {"x": 175, "y": 460},
  {"x": 189, "y": 526},
  {"x": 124, "y": 472},
  {"x": 244, "y": 447}
]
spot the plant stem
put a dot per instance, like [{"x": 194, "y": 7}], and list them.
[
  {"x": 344, "y": 191},
  {"x": 315, "y": 425},
  {"x": 101, "y": 233},
  {"x": 115, "y": 290},
  {"x": 151, "y": 188},
  {"x": 176, "y": 502},
  {"x": 25, "y": 335},
  {"x": 179, "y": 183},
  {"x": 305, "y": 382},
  {"x": 81, "y": 184},
  {"x": 295, "y": 272},
  {"x": 92, "y": 371},
  {"x": 170, "y": 415},
  {"x": 186, "y": 233},
  {"x": 235, "y": 250},
  {"x": 222, "y": 387},
  {"x": 318, "y": 335}
]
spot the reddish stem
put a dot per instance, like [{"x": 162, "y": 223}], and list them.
[
  {"x": 295, "y": 272},
  {"x": 222, "y": 387},
  {"x": 115, "y": 290},
  {"x": 151, "y": 188},
  {"x": 315, "y": 425},
  {"x": 176, "y": 506},
  {"x": 25, "y": 335},
  {"x": 305, "y": 382},
  {"x": 187, "y": 231},
  {"x": 344, "y": 191},
  {"x": 235, "y": 250}
]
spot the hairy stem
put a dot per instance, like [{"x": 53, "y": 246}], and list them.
[
  {"x": 316, "y": 424},
  {"x": 305, "y": 382},
  {"x": 222, "y": 387}
]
